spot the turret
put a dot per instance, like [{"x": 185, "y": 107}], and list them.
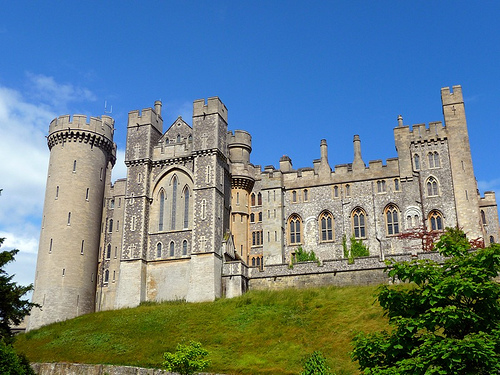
[
  {"x": 81, "y": 154},
  {"x": 464, "y": 182},
  {"x": 358, "y": 164}
]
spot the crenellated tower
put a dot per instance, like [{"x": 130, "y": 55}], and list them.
[
  {"x": 212, "y": 189},
  {"x": 81, "y": 154},
  {"x": 464, "y": 182},
  {"x": 144, "y": 129},
  {"x": 242, "y": 182}
]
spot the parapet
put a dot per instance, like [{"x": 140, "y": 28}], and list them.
[
  {"x": 240, "y": 138},
  {"x": 489, "y": 199},
  {"x": 421, "y": 133},
  {"x": 103, "y": 125},
  {"x": 146, "y": 117},
  {"x": 214, "y": 106},
  {"x": 454, "y": 97}
]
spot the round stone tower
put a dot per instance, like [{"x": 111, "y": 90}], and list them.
[
  {"x": 240, "y": 147},
  {"x": 81, "y": 156}
]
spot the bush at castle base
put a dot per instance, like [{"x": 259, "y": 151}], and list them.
[
  {"x": 445, "y": 322},
  {"x": 12, "y": 363}
]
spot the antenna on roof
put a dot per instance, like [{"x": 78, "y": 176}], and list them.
[{"x": 106, "y": 112}]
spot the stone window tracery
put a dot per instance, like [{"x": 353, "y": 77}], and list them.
[
  {"x": 294, "y": 225},
  {"x": 392, "y": 219},
  {"x": 326, "y": 226},
  {"x": 434, "y": 159},
  {"x": 432, "y": 187},
  {"x": 358, "y": 223},
  {"x": 257, "y": 238},
  {"x": 436, "y": 220}
]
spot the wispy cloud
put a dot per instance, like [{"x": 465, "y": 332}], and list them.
[{"x": 24, "y": 120}]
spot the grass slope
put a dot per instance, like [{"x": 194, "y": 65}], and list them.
[{"x": 261, "y": 332}]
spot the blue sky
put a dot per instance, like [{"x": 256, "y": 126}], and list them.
[{"x": 289, "y": 72}]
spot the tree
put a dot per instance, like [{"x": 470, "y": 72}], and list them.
[
  {"x": 316, "y": 364},
  {"x": 12, "y": 363},
  {"x": 188, "y": 359},
  {"x": 13, "y": 308},
  {"x": 445, "y": 318}
]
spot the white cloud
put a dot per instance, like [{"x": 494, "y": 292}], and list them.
[{"x": 24, "y": 121}]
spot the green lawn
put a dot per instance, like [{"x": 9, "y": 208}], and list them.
[{"x": 262, "y": 332}]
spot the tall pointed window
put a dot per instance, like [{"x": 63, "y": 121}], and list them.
[
  {"x": 252, "y": 217},
  {"x": 294, "y": 196},
  {"x": 436, "y": 220},
  {"x": 110, "y": 225},
  {"x": 184, "y": 247},
  {"x": 162, "y": 210},
  {"x": 106, "y": 276},
  {"x": 186, "y": 207},
  {"x": 174, "y": 202},
  {"x": 158, "y": 250},
  {"x": 347, "y": 190},
  {"x": 432, "y": 187},
  {"x": 172, "y": 248},
  {"x": 294, "y": 225},
  {"x": 416, "y": 162},
  {"x": 358, "y": 223},
  {"x": 252, "y": 199},
  {"x": 259, "y": 199},
  {"x": 108, "y": 251},
  {"x": 326, "y": 225},
  {"x": 392, "y": 219},
  {"x": 306, "y": 195}
]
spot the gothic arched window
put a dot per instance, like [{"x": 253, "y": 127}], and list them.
[
  {"x": 108, "y": 251},
  {"x": 326, "y": 226},
  {"x": 434, "y": 160},
  {"x": 184, "y": 247},
  {"x": 158, "y": 250},
  {"x": 392, "y": 219},
  {"x": 186, "y": 207},
  {"x": 416, "y": 162},
  {"x": 436, "y": 220},
  {"x": 432, "y": 187},
  {"x": 172, "y": 248},
  {"x": 259, "y": 199},
  {"x": 358, "y": 223},
  {"x": 335, "y": 191},
  {"x": 252, "y": 199},
  {"x": 294, "y": 225},
  {"x": 162, "y": 210},
  {"x": 174, "y": 202},
  {"x": 252, "y": 218}
]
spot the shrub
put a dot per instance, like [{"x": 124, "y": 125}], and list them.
[
  {"x": 316, "y": 364},
  {"x": 188, "y": 359}
]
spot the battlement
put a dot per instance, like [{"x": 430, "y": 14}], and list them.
[
  {"x": 489, "y": 199},
  {"x": 145, "y": 117},
  {"x": 421, "y": 132},
  {"x": 213, "y": 106},
  {"x": 452, "y": 97},
  {"x": 103, "y": 125},
  {"x": 240, "y": 138}
]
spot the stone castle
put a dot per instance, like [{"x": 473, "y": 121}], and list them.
[{"x": 196, "y": 220}]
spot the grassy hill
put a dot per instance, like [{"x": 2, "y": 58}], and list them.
[{"x": 262, "y": 332}]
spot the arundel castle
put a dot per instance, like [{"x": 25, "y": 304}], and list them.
[{"x": 196, "y": 220}]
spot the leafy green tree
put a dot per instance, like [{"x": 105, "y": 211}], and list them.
[
  {"x": 13, "y": 308},
  {"x": 188, "y": 359},
  {"x": 316, "y": 364},
  {"x": 12, "y": 363},
  {"x": 445, "y": 318}
]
